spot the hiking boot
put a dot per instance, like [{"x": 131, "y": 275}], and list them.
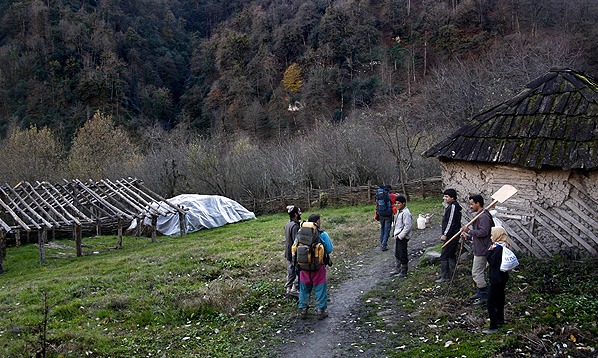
[
  {"x": 482, "y": 293},
  {"x": 479, "y": 301},
  {"x": 490, "y": 331},
  {"x": 384, "y": 248},
  {"x": 303, "y": 313},
  {"x": 322, "y": 314},
  {"x": 442, "y": 279},
  {"x": 396, "y": 271}
]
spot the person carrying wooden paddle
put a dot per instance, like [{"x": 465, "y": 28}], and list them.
[
  {"x": 479, "y": 231},
  {"x": 451, "y": 223}
]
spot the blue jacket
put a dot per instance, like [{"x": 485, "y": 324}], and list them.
[{"x": 326, "y": 241}]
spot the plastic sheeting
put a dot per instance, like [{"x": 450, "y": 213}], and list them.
[{"x": 203, "y": 212}]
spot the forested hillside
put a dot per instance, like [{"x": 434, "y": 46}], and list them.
[{"x": 197, "y": 86}]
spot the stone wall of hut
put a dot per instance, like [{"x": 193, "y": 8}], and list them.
[{"x": 554, "y": 211}]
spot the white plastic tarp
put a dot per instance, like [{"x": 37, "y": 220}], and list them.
[{"x": 202, "y": 212}]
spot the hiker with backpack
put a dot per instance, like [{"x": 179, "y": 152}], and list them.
[
  {"x": 480, "y": 241},
  {"x": 385, "y": 209},
  {"x": 451, "y": 224},
  {"x": 403, "y": 224},
  {"x": 290, "y": 231},
  {"x": 310, "y": 250}
]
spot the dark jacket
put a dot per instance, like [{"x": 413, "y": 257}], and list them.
[
  {"x": 495, "y": 275},
  {"x": 480, "y": 234},
  {"x": 451, "y": 221},
  {"x": 290, "y": 231}
]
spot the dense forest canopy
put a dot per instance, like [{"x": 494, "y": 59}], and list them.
[{"x": 252, "y": 73}]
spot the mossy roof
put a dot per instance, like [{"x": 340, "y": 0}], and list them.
[{"x": 551, "y": 123}]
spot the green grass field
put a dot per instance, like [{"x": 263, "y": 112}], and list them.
[{"x": 219, "y": 293}]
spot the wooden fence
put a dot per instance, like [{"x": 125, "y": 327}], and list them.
[{"x": 338, "y": 196}]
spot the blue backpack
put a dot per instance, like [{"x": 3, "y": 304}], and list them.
[{"x": 383, "y": 207}]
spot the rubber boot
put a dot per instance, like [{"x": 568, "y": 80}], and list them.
[
  {"x": 444, "y": 271},
  {"x": 397, "y": 269},
  {"x": 403, "y": 272}
]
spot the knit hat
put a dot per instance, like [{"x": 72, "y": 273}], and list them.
[
  {"x": 450, "y": 192},
  {"x": 292, "y": 209}
]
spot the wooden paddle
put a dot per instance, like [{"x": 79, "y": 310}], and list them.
[{"x": 504, "y": 193}]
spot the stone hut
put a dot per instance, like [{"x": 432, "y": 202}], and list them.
[{"x": 544, "y": 142}]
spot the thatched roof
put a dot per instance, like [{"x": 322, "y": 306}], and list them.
[{"x": 553, "y": 122}]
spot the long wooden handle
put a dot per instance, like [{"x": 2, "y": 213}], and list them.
[{"x": 471, "y": 222}]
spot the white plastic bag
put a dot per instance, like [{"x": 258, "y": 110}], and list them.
[{"x": 509, "y": 260}]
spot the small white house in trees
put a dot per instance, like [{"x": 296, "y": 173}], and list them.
[{"x": 544, "y": 142}]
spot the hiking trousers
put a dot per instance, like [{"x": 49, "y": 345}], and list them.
[
  {"x": 385, "y": 224},
  {"x": 315, "y": 280},
  {"x": 478, "y": 271},
  {"x": 292, "y": 279},
  {"x": 401, "y": 251}
]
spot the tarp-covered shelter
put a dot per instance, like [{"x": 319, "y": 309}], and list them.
[
  {"x": 202, "y": 212},
  {"x": 543, "y": 141}
]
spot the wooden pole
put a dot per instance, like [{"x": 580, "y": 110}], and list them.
[
  {"x": 182, "y": 224},
  {"x": 154, "y": 227},
  {"x": 41, "y": 243},
  {"x": 76, "y": 235},
  {"x": 2, "y": 250},
  {"x": 119, "y": 244}
]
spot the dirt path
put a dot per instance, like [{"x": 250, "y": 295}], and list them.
[{"x": 332, "y": 337}]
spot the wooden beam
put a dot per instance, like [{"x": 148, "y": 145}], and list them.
[
  {"x": 99, "y": 199},
  {"x": 553, "y": 231},
  {"x": 39, "y": 206},
  {"x": 67, "y": 203},
  {"x": 151, "y": 207},
  {"x": 534, "y": 239},
  {"x": 127, "y": 199},
  {"x": 109, "y": 199},
  {"x": 5, "y": 226},
  {"x": 80, "y": 204},
  {"x": 514, "y": 234},
  {"x": 560, "y": 224},
  {"x": 586, "y": 218},
  {"x": 31, "y": 210},
  {"x": 177, "y": 208},
  {"x": 578, "y": 225},
  {"x": 14, "y": 215},
  {"x": 47, "y": 204}
]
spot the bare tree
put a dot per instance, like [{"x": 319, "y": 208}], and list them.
[{"x": 31, "y": 154}]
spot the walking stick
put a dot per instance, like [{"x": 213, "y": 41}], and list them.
[
  {"x": 504, "y": 193},
  {"x": 456, "y": 263}
]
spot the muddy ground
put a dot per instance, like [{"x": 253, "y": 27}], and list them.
[{"x": 336, "y": 336}]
